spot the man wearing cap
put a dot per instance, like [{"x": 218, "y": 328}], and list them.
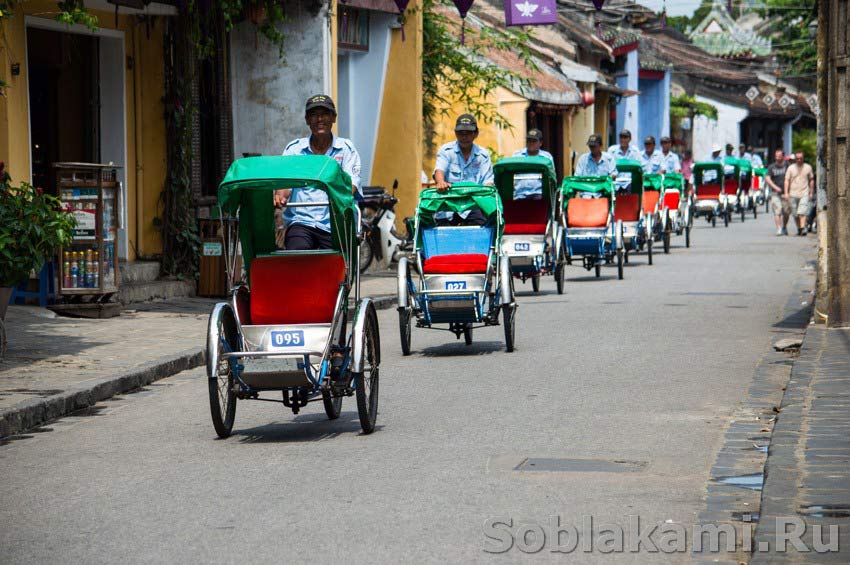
[
  {"x": 716, "y": 150},
  {"x": 462, "y": 160},
  {"x": 651, "y": 158},
  {"x": 744, "y": 154},
  {"x": 757, "y": 160},
  {"x": 669, "y": 160},
  {"x": 596, "y": 163},
  {"x": 529, "y": 188},
  {"x": 625, "y": 150},
  {"x": 309, "y": 227}
]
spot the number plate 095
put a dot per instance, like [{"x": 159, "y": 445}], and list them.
[{"x": 293, "y": 338}]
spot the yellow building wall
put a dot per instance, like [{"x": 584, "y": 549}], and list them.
[
  {"x": 398, "y": 150},
  {"x": 583, "y": 126},
  {"x": 601, "y": 116},
  {"x": 145, "y": 173}
]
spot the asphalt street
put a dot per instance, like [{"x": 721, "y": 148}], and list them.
[{"x": 636, "y": 379}]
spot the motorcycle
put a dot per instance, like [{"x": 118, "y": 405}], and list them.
[{"x": 384, "y": 243}]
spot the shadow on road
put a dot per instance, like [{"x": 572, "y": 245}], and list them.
[
  {"x": 302, "y": 428},
  {"x": 461, "y": 349}
]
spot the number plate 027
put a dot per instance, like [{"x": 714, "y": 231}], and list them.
[
  {"x": 522, "y": 246},
  {"x": 455, "y": 285},
  {"x": 293, "y": 338}
]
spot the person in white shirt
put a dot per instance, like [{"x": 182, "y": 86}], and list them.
[
  {"x": 527, "y": 188},
  {"x": 625, "y": 150},
  {"x": 670, "y": 161}
]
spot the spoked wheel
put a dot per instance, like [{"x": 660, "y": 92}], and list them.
[
  {"x": 626, "y": 258},
  {"x": 333, "y": 404},
  {"x": 509, "y": 321},
  {"x": 366, "y": 255},
  {"x": 598, "y": 270},
  {"x": 366, "y": 382},
  {"x": 713, "y": 222},
  {"x": 221, "y": 338},
  {"x": 560, "y": 272},
  {"x": 688, "y": 236},
  {"x": 405, "y": 325},
  {"x": 743, "y": 214},
  {"x": 620, "y": 264},
  {"x": 666, "y": 241},
  {"x": 467, "y": 334},
  {"x": 727, "y": 217},
  {"x": 535, "y": 283},
  {"x": 649, "y": 250},
  {"x": 755, "y": 211}
]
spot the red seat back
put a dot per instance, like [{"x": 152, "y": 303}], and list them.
[
  {"x": 456, "y": 264},
  {"x": 730, "y": 186},
  {"x": 650, "y": 201},
  {"x": 671, "y": 200},
  {"x": 627, "y": 207},
  {"x": 295, "y": 289},
  {"x": 587, "y": 212},
  {"x": 708, "y": 191},
  {"x": 525, "y": 216}
]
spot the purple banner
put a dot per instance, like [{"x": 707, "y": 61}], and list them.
[{"x": 530, "y": 12}]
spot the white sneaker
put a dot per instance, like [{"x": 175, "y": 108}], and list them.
[{"x": 779, "y": 231}]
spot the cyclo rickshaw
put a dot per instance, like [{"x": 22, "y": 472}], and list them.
[
  {"x": 748, "y": 201},
  {"x": 760, "y": 187},
  {"x": 590, "y": 231},
  {"x": 286, "y": 328},
  {"x": 676, "y": 208},
  {"x": 653, "y": 186},
  {"x": 638, "y": 226},
  {"x": 709, "y": 199},
  {"x": 732, "y": 186},
  {"x": 532, "y": 237},
  {"x": 463, "y": 278}
]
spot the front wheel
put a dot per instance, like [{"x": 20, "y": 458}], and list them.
[
  {"x": 333, "y": 404},
  {"x": 467, "y": 334},
  {"x": 405, "y": 324},
  {"x": 366, "y": 254},
  {"x": 366, "y": 381},
  {"x": 509, "y": 321}
]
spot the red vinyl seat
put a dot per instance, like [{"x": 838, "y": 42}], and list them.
[
  {"x": 730, "y": 186},
  {"x": 587, "y": 212},
  {"x": 525, "y": 216},
  {"x": 627, "y": 207},
  {"x": 671, "y": 200},
  {"x": 295, "y": 289},
  {"x": 708, "y": 192},
  {"x": 456, "y": 264},
  {"x": 650, "y": 201}
]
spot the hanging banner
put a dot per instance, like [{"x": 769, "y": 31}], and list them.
[{"x": 530, "y": 12}]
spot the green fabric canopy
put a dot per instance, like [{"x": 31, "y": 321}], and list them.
[
  {"x": 654, "y": 181},
  {"x": 760, "y": 171},
  {"x": 248, "y": 186},
  {"x": 634, "y": 168},
  {"x": 505, "y": 169},
  {"x": 701, "y": 167},
  {"x": 460, "y": 197},
  {"x": 603, "y": 186},
  {"x": 733, "y": 162},
  {"x": 675, "y": 181}
]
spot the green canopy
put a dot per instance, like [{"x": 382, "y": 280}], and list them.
[
  {"x": 460, "y": 197},
  {"x": 674, "y": 181},
  {"x": 654, "y": 181},
  {"x": 760, "y": 171},
  {"x": 745, "y": 165},
  {"x": 505, "y": 169},
  {"x": 603, "y": 186},
  {"x": 701, "y": 167},
  {"x": 248, "y": 186},
  {"x": 635, "y": 169},
  {"x": 733, "y": 162}
]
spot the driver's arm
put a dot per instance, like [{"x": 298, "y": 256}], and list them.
[{"x": 281, "y": 197}]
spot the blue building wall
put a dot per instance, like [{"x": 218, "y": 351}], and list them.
[
  {"x": 628, "y": 108},
  {"x": 650, "y": 109}
]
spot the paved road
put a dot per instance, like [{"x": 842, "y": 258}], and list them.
[{"x": 646, "y": 372}]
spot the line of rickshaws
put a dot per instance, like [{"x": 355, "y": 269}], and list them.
[{"x": 287, "y": 327}]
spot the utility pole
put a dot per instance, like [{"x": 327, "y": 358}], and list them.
[
  {"x": 822, "y": 290},
  {"x": 838, "y": 164}
]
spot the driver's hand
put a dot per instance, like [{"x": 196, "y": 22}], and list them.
[
  {"x": 281, "y": 197},
  {"x": 442, "y": 186}
]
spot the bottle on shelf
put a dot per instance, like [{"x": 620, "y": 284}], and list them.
[{"x": 74, "y": 270}]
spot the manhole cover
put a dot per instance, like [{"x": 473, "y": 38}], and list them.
[{"x": 580, "y": 465}]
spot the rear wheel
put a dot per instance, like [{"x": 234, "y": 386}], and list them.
[
  {"x": 509, "y": 321},
  {"x": 405, "y": 316},
  {"x": 467, "y": 334},
  {"x": 221, "y": 338},
  {"x": 535, "y": 283},
  {"x": 620, "y": 264},
  {"x": 366, "y": 382}
]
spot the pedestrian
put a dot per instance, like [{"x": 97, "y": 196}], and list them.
[
  {"x": 596, "y": 163},
  {"x": 670, "y": 161},
  {"x": 531, "y": 188},
  {"x": 309, "y": 227},
  {"x": 625, "y": 150},
  {"x": 650, "y": 158},
  {"x": 462, "y": 160},
  {"x": 778, "y": 200},
  {"x": 800, "y": 190},
  {"x": 688, "y": 169}
]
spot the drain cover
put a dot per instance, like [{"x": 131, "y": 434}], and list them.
[{"x": 580, "y": 465}]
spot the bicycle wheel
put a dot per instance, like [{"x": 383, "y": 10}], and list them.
[
  {"x": 333, "y": 404},
  {"x": 405, "y": 331},
  {"x": 366, "y": 382},
  {"x": 535, "y": 283},
  {"x": 620, "y": 264},
  {"x": 366, "y": 255},
  {"x": 509, "y": 321},
  {"x": 467, "y": 334},
  {"x": 221, "y": 337}
]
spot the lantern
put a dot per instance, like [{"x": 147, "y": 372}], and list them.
[
  {"x": 463, "y": 7},
  {"x": 402, "y": 6}
]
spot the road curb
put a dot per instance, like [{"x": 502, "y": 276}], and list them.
[
  {"x": 35, "y": 412},
  {"x": 32, "y": 413}
]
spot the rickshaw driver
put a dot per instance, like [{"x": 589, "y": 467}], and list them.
[
  {"x": 309, "y": 227},
  {"x": 625, "y": 150},
  {"x": 651, "y": 159},
  {"x": 596, "y": 163},
  {"x": 670, "y": 161},
  {"x": 532, "y": 189},
  {"x": 463, "y": 161}
]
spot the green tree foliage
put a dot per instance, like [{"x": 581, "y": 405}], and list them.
[
  {"x": 688, "y": 106},
  {"x": 462, "y": 74},
  {"x": 790, "y": 33},
  {"x": 806, "y": 140}
]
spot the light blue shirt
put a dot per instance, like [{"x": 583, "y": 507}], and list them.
[
  {"x": 587, "y": 167},
  {"x": 341, "y": 150},
  {"x": 652, "y": 164},
  {"x": 670, "y": 162},
  {"x": 718, "y": 159},
  {"x": 478, "y": 170},
  {"x": 525, "y": 188},
  {"x": 757, "y": 162},
  {"x": 618, "y": 153}
]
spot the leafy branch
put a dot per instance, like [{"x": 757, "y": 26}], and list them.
[{"x": 685, "y": 106}]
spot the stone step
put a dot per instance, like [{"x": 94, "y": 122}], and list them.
[
  {"x": 155, "y": 290},
  {"x": 138, "y": 272}
]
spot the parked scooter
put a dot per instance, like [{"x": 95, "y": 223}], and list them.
[{"x": 384, "y": 242}]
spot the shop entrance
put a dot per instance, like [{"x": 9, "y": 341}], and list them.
[{"x": 76, "y": 102}]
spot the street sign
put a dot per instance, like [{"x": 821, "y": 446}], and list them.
[{"x": 752, "y": 94}]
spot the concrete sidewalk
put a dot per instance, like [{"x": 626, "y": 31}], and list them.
[
  {"x": 808, "y": 463},
  {"x": 57, "y": 365}
]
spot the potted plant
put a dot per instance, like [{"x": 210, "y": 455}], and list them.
[{"x": 33, "y": 225}]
